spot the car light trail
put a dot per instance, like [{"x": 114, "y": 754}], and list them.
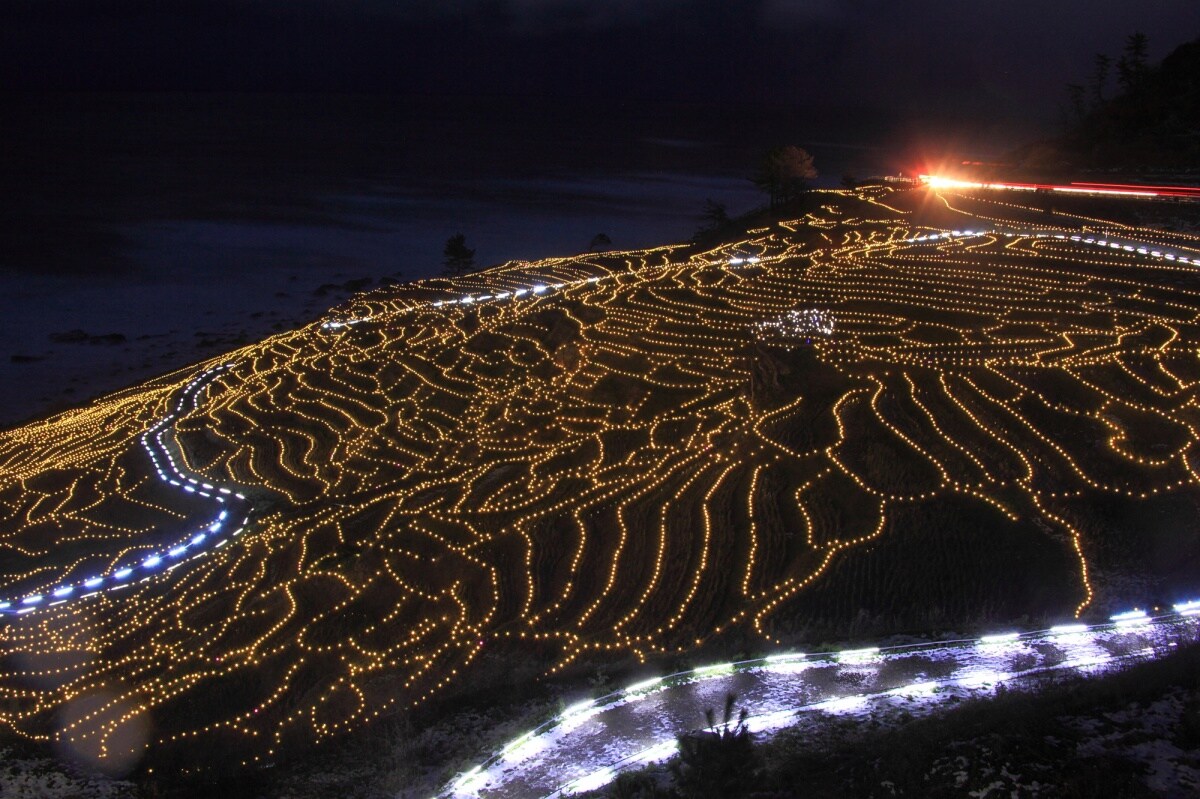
[{"x": 1101, "y": 189}]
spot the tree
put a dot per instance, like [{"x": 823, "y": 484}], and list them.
[
  {"x": 1131, "y": 67},
  {"x": 716, "y": 763},
  {"x": 1100, "y": 71},
  {"x": 714, "y": 215},
  {"x": 784, "y": 173},
  {"x": 637, "y": 785},
  {"x": 599, "y": 242},
  {"x": 457, "y": 257},
  {"x": 1075, "y": 95}
]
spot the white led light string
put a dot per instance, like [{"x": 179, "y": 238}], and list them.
[{"x": 197, "y": 544}]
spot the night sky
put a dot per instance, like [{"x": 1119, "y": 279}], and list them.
[
  {"x": 1009, "y": 58},
  {"x": 528, "y": 125}
]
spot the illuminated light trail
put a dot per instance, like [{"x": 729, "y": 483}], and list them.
[
  {"x": 630, "y": 728},
  {"x": 1103, "y": 189},
  {"x": 1075, "y": 187},
  {"x": 168, "y": 557}
]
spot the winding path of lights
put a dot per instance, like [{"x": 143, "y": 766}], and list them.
[
  {"x": 168, "y": 558},
  {"x": 584, "y": 747},
  {"x": 616, "y": 455},
  {"x": 548, "y": 289}
]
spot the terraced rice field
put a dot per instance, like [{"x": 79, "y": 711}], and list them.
[{"x": 919, "y": 406}]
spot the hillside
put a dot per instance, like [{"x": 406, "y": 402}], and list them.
[
  {"x": 1152, "y": 121},
  {"x": 897, "y": 411}
]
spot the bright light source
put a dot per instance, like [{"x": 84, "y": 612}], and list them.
[
  {"x": 843, "y": 704},
  {"x": 858, "y": 655},
  {"x": 1189, "y": 608},
  {"x": 638, "y": 687},
  {"x": 980, "y": 679},
  {"x": 471, "y": 781},
  {"x": 590, "y": 782},
  {"x": 657, "y": 752},
  {"x": 915, "y": 689},
  {"x": 576, "y": 709},
  {"x": 713, "y": 669},
  {"x": 1130, "y": 618}
]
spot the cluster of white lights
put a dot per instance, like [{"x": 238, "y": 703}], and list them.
[
  {"x": 473, "y": 299},
  {"x": 193, "y": 546},
  {"x": 537, "y": 290},
  {"x": 1131, "y": 618},
  {"x": 1125, "y": 246},
  {"x": 798, "y": 323},
  {"x": 476, "y": 779},
  {"x": 1189, "y": 608}
]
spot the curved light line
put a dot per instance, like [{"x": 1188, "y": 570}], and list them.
[
  {"x": 208, "y": 537},
  {"x": 469, "y": 783}
]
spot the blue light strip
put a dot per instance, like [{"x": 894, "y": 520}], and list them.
[
  {"x": 471, "y": 782},
  {"x": 169, "y": 471},
  {"x": 541, "y": 289}
]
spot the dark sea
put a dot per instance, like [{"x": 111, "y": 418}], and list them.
[{"x": 141, "y": 233}]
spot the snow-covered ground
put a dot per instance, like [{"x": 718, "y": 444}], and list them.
[{"x": 587, "y": 745}]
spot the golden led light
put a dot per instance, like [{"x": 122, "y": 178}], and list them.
[{"x": 606, "y": 456}]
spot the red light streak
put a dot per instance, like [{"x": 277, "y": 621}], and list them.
[{"x": 1112, "y": 189}]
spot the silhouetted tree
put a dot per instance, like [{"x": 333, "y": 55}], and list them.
[
  {"x": 457, "y": 257},
  {"x": 637, "y": 785},
  {"x": 1131, "y": 67},
  {"x": 1100, "y": 70},
  {"x": 716, "y": 763},
  {"x": 599, "y": 242},
  {"x": 1075, "y": 96},
  {"x": 714, "y": 215},
  {"x": 784, "y": 173}
]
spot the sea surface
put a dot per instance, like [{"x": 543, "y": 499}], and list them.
[{"x": 142, "y": 233}]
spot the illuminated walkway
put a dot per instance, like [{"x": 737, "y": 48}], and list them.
[
  {"x": 589, "y": 743},
  {"x": 549, "y": 289},
  {"x": 212, "y": 534}
]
